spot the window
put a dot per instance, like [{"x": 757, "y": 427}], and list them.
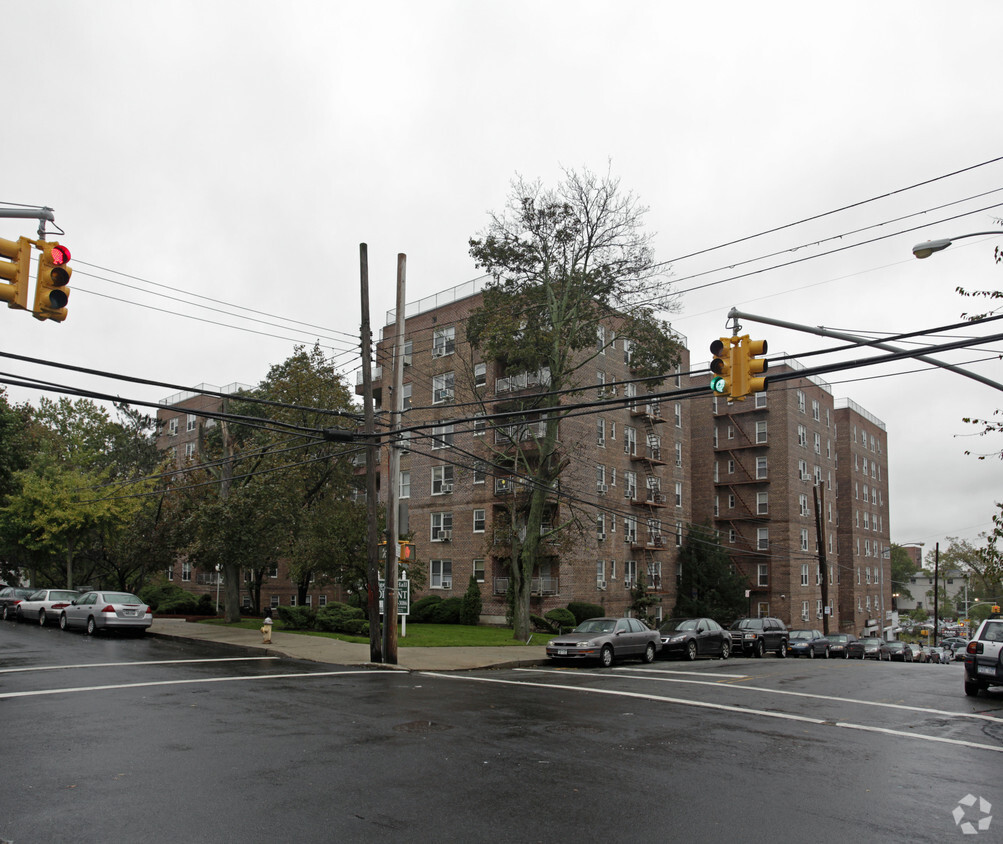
[
  {"x": 763, "y": 539},
  {"x": 801, "y": 401},
  {"x": 629, "y": 573},
  {"x": 802, "y": 436},
  {"x": 442, "y": 436},
  {"x": 818, "y": 443},
  {"x": 677, "y": 412},
  {"x": 630, "y": 529},
  {"x": 442, "y": 387},
  {"x": 601, "y": 382},
  {"x": 478, "y": 570},
  {"x": 405, "y": 485},
  {"x": 601, "y": 432},
  {"x": 814, "y": 410},
  {"x": 804, "y": 574},
  {"x": 760, "y": 400},
  {"x": 190, "y": 449},
  {"x": 764, "y": 575},
  {"x": 443, "y": 341},
  {"x": 406, "y": 395},
  {"x": 761, "y": 432},
  {"x": 479, "y": 521},
  {"x": 629, "y": 440},
  {"x": 442, "y": 480},
  {"x": 761, "y": 469},
  {"x": 731, "y": 467},
  {"x": 480, "y": 424},
  {"x": 679, "y": 454},
  {"x": 804, "y": 609},
  {"x": 679, "y": 493},
  {"x": 804, "y": 539},
  {"x": 601, "y": 339},
  {"x": 762, "y": 503},
  {"x": 803, "y": 505},
  {"x": 480, "y": 374},
  {"x": 630, "y": 484},
  {"x": 192, "y": 422},
  {"x": 442, "y": 526},
  {"x": 186, "y": 572},
  {"x": 172, "y": 427},
  {"x": 731, "y": 501},
  {"x": 803, "y": 469},
  {"x": 440, "y": 574}
]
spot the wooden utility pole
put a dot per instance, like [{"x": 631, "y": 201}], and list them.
[
  {"x": 372, "y": 455},
  {"x": 393, "y": 472},
  {"x": 823, "y": 569}
]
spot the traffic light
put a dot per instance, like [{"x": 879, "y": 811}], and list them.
[
  {"x": 721, "y": 365},
  {"x": 752, "y": 365},
  {"x": 51, "y": 292},
  {"x": 406, "y": 549},
  {"x": 15, "y": 271}
]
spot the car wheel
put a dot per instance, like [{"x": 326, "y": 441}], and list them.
[
  {"x": 6, "y": 612},
  {"x": 782, "y": 650},
  {"x": 826, "y": 653},
  {"x": 42, "y": 619},
  {"x": 971, "y": 688},
  {"x": 18, "y": 615},
  {"x": 691, "y": 651},
  {"x": 649, "y": 653},
  {"x": 811, "y": 653},
  {"x": 760, "y": 649},
  {"x": 606, "y": 656},
  {"x": 92, "y": 627},
  {"x": 725, "y": 650},
  {"x": 64, "y": 623},
  {"x": 846, "y": 654}
]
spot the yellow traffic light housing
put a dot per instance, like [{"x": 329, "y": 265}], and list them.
[
  {"x": 752, "y": 365},
  {"x": 721, "y": 365},
  {"x": 51, "y": 291},
  {"x": 15, "y": 272}
]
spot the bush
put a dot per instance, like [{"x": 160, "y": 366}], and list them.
[
  {"x": 448, "y": 611},
  {"x": 421, "y": 611},
  {"x": 340, "y": 618},
  {"x": 582, "y": 611},
  {"x": 470, "y": 612},
  {"x": 562, "y": 619},
  {"x": 541, "y": 625},
  {"x": 297, "y": 618}
]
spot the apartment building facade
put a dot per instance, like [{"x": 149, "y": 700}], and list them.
[{"x": 617, "y": 510}]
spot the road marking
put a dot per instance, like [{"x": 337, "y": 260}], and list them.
[
  {"x": 41, "y": 692},
  {"x": 723, "y": 707},
  {"x": 148, "y": 662},
  {"x": 677, "y": 671},
  {"x": 926, "y": 711}
]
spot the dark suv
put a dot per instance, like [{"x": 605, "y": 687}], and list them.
[{"x": 756, "y": 636}]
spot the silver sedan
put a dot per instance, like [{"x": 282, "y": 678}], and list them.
[
  {"x": 109, "y": 610},
  {"x": 605, "y": 639},
  {"x": 45, "y": 605}
]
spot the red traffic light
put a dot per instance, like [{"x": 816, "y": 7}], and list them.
[{"x": 60, "y": 255}]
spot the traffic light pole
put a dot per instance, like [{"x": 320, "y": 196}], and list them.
[{"x": 41, "y": 214}]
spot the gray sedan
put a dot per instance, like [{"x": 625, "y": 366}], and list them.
[
  {"x": 45, "y": 605},
  {"x": 101, "y": 610},
  {"x": 606, "y": 639}
]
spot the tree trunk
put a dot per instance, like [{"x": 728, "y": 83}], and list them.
[{"x": 231, "y": 574}]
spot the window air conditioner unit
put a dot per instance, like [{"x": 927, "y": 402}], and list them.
[
  {"x": 445, "y": 535},
  {"x": 818, "y": 615},
  {"x": 804, "y": 616},
  {"x": 407, "y": 360},
  {"x": 600, "y": 584},
  {"x": 660, "y": 498},
  {"x": 446, "y": 488},
  {"x": 438, "y": 351},
  {"x": 601, "y": 536},
  {"x": 443, "y": 395},
  {"x": 602, "y": 488}
]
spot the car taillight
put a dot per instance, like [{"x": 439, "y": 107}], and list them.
[
  {"x": 60, "y": 606},
  {"x": 108, "y": 608},
  {"x": 971, "y": 647}
]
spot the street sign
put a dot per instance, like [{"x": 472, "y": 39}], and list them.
[{"x": 403, "y": 596}]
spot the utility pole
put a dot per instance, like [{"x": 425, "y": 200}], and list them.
[
  {"x": 823, "y": 570},
  {"x": 936, "y": 592},
  {"x": 393, "y": 480},
  {"x": 372, "y": 453}
]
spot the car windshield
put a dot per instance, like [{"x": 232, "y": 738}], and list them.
[
  {"x": 62, "y": 595},
  {"x": 838, "y": 637},
  {"x": 871, "y": 641},
  {"x": 896, "y": 646},
  {"x": 121, "y": 598},
  {"x": 596, "y": 625},
  {"x": 801, "y": 634},
  {"x": 678, "y": 624},
  {"x": 748, "y": 624}
]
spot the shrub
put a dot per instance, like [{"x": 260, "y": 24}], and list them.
[
  {"x": 448, "y": 611},
  {"x": 340, "y": 618},
  {"x": 562, "y": 619},
  {"x": 583, "y": 611},
  {"x": 470, "y": 612},
  {"x": 421, "y": 611},
  {"x": 541, "y": 625},
  {"x": 297, "y": 618}
]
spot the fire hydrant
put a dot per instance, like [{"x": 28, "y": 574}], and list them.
[{"x": 266, "y": 630}]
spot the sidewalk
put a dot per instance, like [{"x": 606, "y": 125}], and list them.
[{"x": 337, "y": 652}]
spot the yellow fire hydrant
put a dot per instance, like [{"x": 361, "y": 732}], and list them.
[{"x": 266, "y": 630}]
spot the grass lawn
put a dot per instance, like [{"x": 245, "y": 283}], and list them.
[{"x": 421, "y": 635}]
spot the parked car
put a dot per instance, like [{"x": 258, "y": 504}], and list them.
[
  {"x": 10, "y": 597},
  {"x": 607, "y": 639},
  {"x": 920, "y": 653},
  {"x": 844, "y": 645},
  {"x": 984, "y": 657},
  {"x": 45, "y": 605},
  {"x": 756, "y": 636},
  {"x": 693, "y": 637},
  {"x": 109, "y": 610},
  {"x": 875, "y": 648},
  {"x": 941, "y": 656},
  {"x": 900, "y": 651},
  {"x": 809, "y": 643}
]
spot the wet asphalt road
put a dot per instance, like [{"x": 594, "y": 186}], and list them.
[{"x": 110, "y": 738}]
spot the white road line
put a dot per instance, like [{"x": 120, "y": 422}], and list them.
[
  {"x": 66, "y": 691},
  {"x": 149, "y": 662},
  {"x": 722, "y": 707},
  {"x": 978, "y": 716}
]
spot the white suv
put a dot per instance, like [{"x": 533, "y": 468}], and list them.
[{"x": 984, "y": 657}]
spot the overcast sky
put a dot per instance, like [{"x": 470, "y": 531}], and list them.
[{"x": 242, "y": 151}]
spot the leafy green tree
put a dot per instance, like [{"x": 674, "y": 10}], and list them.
[
  {"x": 709, "y": 585},
  {"x": 902, "y": 569},
  {"x": 568, "y": 264}
]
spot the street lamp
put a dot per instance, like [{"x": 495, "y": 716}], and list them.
[{"x": 927, "y": 248}]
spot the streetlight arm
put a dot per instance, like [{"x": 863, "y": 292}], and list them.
[{"x": 927, "y": 248}]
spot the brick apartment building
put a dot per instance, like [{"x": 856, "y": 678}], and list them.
[
  {"x": 775, "y": 471},
  {"x": 623, "y": 497}
]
